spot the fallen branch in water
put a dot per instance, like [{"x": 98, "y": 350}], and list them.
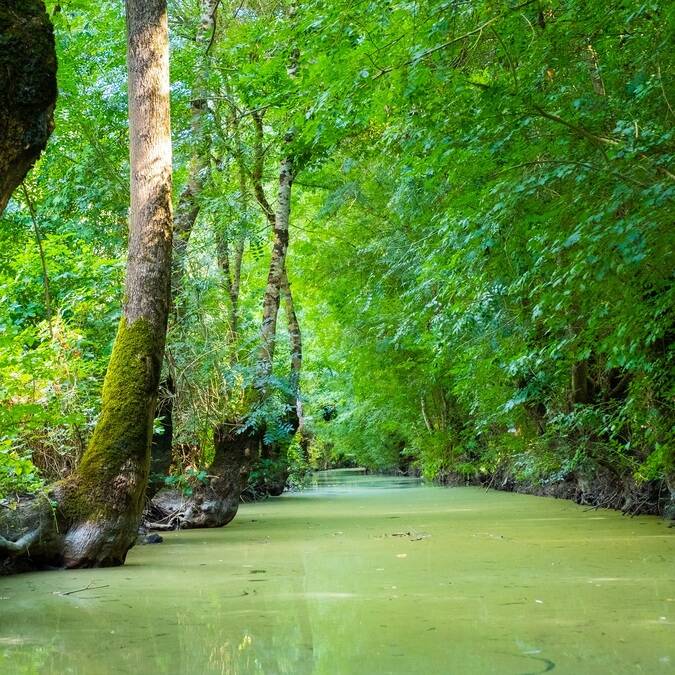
[{"x": 88, "y": 587}]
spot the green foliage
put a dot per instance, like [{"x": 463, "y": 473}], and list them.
[
  {"x": 186, "y": 482},
  {"x": 481, "y": 237},
  {"x": 499, "y": 232},
  {"x": 17, "y": 472}
]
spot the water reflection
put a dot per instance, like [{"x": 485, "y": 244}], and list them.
[
  {"x": 348, "y": 480},
  {"x": 358, "y": 575}
]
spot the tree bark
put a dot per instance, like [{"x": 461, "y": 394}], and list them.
[
  {"x": 295, "y": 336},
  {"x": 279, "y": 223},
  {"x": 27, "y": 89},
  {"x": 276, "y": 271},
  {"x": 98, "y": 508},
  {"x": 187, "y": 211},
  {"x": 275, "y": 479},
  {"x": 215, "y": 502},
  {"x": 236, "y": 444}
]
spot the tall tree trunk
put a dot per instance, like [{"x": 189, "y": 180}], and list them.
[
  {"x": 276, "y": 271},
  {"x": 277, "y": 281},
  {"x": 275, "y": 478},
  {"x": 187, "y": 211},
  {"x": 110, "y": 481},
  {"x": 27, "y": 89},
  {"x": 236, "y": 443},
  {"x": 280, "y": 223},
  {"x": 295, "y": 336},
  {"x": 99, "y": 506},
  {"x": 187, "y": 208}
]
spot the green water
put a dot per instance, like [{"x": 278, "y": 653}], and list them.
[{"x": 364, "y": 575}]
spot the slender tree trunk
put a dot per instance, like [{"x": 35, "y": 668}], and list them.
[
  {"x": 43, "y": 260},
  {"x": 187, "y": 212},
  {"x": 230, "y": 266},
  {"x": 295, "y": 336},
  {"x": 280, "y": 223},
  {"x": 27, "y": 89},
  {"x": 275, "y": 479},
  {"x": 99, "y": 506},
  {"x": 235, "y": 443},
  {"x": 275, "y": 482},
  {"x": 276, "y": 271}
]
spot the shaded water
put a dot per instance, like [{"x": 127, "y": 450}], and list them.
[{"x": 364, "y": 574}]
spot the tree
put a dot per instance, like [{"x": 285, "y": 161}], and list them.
[
  {"x": 187, "y": 212},
  {"x": 27, "y": 89},
  {"x": 96, "y": 510},
  {"x": 239, "y": 440}
]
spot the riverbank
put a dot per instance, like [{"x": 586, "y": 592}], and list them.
[{"x": 604, "y": 489}]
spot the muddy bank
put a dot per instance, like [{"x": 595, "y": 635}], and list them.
[{"x": 604, "y": 489}]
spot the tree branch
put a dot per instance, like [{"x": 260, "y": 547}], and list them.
[{"x": 258, "y": 168}]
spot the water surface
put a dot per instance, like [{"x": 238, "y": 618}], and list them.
[{"x": 363, "y": 574}]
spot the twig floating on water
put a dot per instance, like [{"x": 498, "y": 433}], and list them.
[{"x": 88, "y": 587}]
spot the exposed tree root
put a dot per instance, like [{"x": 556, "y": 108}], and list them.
[
  {"x": 603, "y": 489},
  {"x": 214, "y": 503}
]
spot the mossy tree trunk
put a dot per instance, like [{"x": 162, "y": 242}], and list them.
[
  {"x": 27, "y": 89},
  {"x": 97, "y": 509}
]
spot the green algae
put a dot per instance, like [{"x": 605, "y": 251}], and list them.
[{"x": 365, "y": 575}]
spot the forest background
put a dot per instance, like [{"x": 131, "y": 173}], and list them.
[{"x": 480, "y": 244}]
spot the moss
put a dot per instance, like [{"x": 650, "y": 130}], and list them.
[{"x": 113, "y": 472}]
